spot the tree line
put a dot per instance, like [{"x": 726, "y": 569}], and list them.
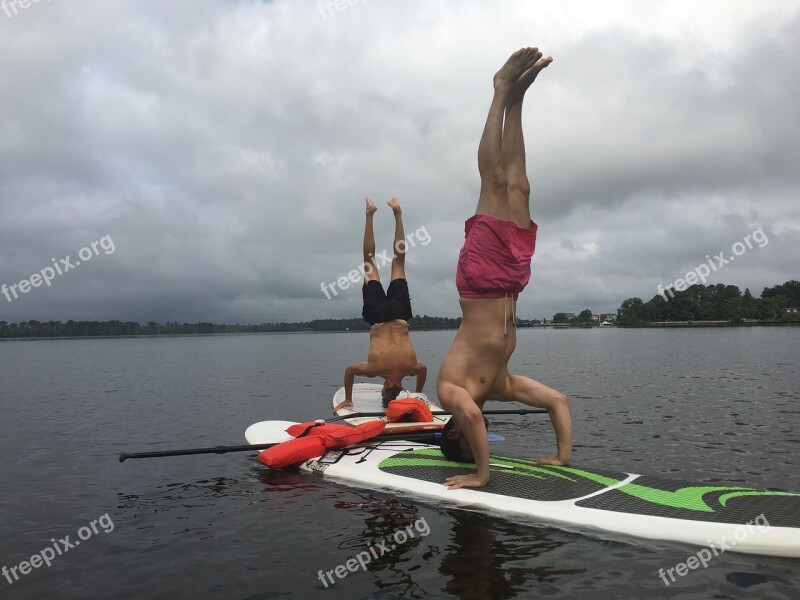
[
  {"x": 718, "y": 302},
  {"x": 45, "y": 329}
]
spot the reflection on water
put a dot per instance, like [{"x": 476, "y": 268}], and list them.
[
  {"x": 489, "y": 559},
  {"x": 391, "y": 534},
  {"x": 478, "y": 556}
]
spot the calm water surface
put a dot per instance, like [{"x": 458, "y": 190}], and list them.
[{"x": 712, "y": 405}]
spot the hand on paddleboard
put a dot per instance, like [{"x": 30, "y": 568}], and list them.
[{"x": 341, "y": 405}]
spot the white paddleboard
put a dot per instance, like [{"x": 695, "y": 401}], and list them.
[
  {"x": 367, "y": 399},
  {"x": 746, "y": 520}
]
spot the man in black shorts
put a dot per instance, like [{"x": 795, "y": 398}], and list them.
[{"x": 391, "y": 354}]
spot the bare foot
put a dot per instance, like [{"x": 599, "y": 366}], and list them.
[
  {"x": 515, "y": 66},
  {"x": 528, "y": 77},
  {"x": 394, "y": 203},
  {"x": 459, "y": 481},
  {"x": 551, "y": 460},
  {"x": 371, "y": 208}
]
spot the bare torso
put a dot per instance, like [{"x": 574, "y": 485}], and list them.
[
  {"x": 391, "y": 354},
  {"x": 478, "y": 358}
]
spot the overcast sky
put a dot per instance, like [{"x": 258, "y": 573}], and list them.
[{"x": 223, "y": 149}]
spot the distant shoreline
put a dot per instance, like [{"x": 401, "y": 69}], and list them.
[
  {"x": 712, "y": 324},
  {"x": 718, "y": 305},
  {"x": 300, "y": 330},
  {"x": 668, "y": 324}
]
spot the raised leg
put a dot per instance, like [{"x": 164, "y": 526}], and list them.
[
  {"x": 399, "y": 246},
  {"x": 512, "y": 154},
  {"x": 493, "y": 198},
  {"x": 370, "y": 265},
  {"x": 531, "y": 392}
]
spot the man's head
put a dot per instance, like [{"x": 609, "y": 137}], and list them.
[
  {"x": 390, "y": 391},
  {"x": 454, "y": 444}
]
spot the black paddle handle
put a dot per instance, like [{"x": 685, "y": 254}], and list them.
[{"x": 213, "y": 450}]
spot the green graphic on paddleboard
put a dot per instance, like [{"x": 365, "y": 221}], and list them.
[{"x": 644, "y": 495}]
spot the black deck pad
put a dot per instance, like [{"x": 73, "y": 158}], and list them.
[
  {"x": 509, "y": 476},
  {"x": 654, "y": 496}
]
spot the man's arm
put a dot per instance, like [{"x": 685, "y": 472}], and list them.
[
  {"x": 363, "y": 369},
  {"x": 469, "y": 419},
  {"x": 422, "y": 373}
]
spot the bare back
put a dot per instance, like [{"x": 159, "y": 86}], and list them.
[{"x": 390, "y": 351}]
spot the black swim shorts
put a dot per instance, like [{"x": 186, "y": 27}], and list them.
[{"x": 380, "y": 306}]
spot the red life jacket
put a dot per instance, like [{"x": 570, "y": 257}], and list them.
[
  {"x": 316, "y": 439},
  {"x": 408, "y": 409}
]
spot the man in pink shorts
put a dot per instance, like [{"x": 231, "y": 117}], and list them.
[{"x": 493, "y": 268}]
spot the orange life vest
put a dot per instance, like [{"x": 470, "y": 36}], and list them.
[
  {"x": 315, "y": 439},
  {"x": 408, "y": 409}
]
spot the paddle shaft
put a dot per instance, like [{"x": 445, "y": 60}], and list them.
[
  {"x": 416, "y": 437},
  {"x": 501, "y": 411},
  {"x": 409, "y": 437},
  {"x": 213, "y": 450}
]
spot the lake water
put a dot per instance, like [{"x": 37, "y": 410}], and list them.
[{"x": 711, "y": 405}]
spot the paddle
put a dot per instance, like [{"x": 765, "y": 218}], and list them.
[
  {"x": 408, "y": 437},
  {"x": 501, "y": 411},
  {"x": 215, "y": 450}
]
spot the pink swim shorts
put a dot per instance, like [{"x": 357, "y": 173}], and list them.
[{"x": 495, "y": 260}]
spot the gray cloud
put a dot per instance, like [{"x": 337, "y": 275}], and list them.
[{"x": 226, "y": 147}]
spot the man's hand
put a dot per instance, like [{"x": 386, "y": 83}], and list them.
[
  {"x": 342, "y": 404},
  {"x": 362, "y": 368},
  {"x": 471, "y": 480},
  {"x": 552, "y": 460}
]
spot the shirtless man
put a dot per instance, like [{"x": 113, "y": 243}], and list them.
[
  {"x": 493, "y": 268},
  {"x": 391, "y": 355}
]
